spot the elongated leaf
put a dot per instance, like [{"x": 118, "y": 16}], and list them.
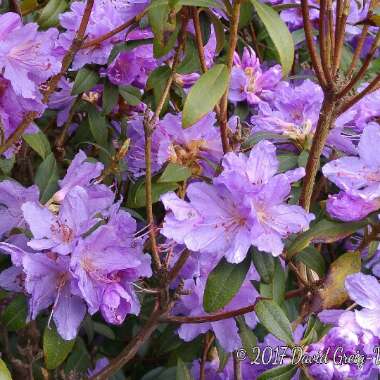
[
  {"x": 312, "y": 259},
  {"x": 39, "y": 143},
  {"x": 47, "y": 178},
  {"x": 157, "y": 81},
  {"x": 136, "y": 195},
  {"x": 223, "y": 283},
  {"x": 50, "y": 13},
  {"x": 264, "y": 264},
  {"x": 247, "y": 337},
  {"x": 279, "y": 373},
  {"x": 14, "y": 315},
  {"x": 279, "y": 34},
  {"x": 180, "y": 3},
  {"x": 334, "y": 293},
  {"x": 79, "y": 359},
  {"x": 183, "y": 372},
  {"x": 174, "y": 173},
  {"x": 85, "y": 80},
  {"x": 274, "y": 320},
  {"x": 214, "y": 83},
  {"x": 324, "y": 231},
  {"x": 98, "y": 126},
  {"x": 55, "y": 348},
  {"x": 110, "y": 97},
  {"x": 131, "y": 95},
  {"x": 4, "y": 371}
]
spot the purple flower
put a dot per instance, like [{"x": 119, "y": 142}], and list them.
[
  {"x": 12, "y": 197},
  {"x": 358, "y": 177},
  {"x": 106, "y": 260},
  {"x": 61, "y": 232},
  {"x": 249, "y": 82},
  {"x": 26, "y": 55},
  {"x": 99, "y": 365},
  {"x": 244, "y": 206}
]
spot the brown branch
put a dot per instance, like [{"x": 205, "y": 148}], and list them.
[
  {"x": 315, "y": 59},
  {"x": 325, "y": 121},
  {"x": 212, "y": 317},
  {"x": 367, "y": 61},
  {"x": 234, "y": 25},
  {"x": 208, "y": 340},
  {"x": 358, "y": 50},
  {"x": 179, "y": 265},
  {"x": 199, "y": 39},
  {"x": 340, "y": 34},
  {"x": 373, "y": 86},
  {"x": 97, "y": 41},
  {"x": 324, "y": 46},
  {"x": 14, "y": 6},
  {"x": 53, "y": 83},
  {"x": 237, "y": 367}
]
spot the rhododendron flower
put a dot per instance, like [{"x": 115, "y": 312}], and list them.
[
  {"x": 358, "y": 177},
  {"x": 249, "y": 82},
  {"x": 244, "y": 206}
]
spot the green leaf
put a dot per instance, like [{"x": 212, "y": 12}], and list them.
[
  {"x": 312, "y": 259},
  {"x": 279, "y": 34},
  {"x": 47, "y": 178},
  {"x": 223, "y": 283},
  {"x": 85, "y": 80},
  {"x": 287, "y": 162},
  {"x": 110, "y": 96},
  {"x": 55, "y": 348},
  {"x": 264, "y": 264},
  {"x": 311, "y": 333},
  {"x": 39, "y": 143},
  {"x": 333, "y": 293},
  {"x": 324, "y": 231},
  {"x": 274, "y": 320},
  {"x": 259, "y": 136},
  {"x": 50, "y": 13},
  {"x": 130, "y": 94},
  {"x": 98, "y": 126},
  {"x": 4, "y": 371},
  {"x": 222, "y": 355},
  {"x": 183, "y": 372},
  {"x": 201, "y": 3},
  {"x": 6, "y": 164},
  {"x": 79, "y": 359},
  {"x": 126, "y": 46},
  {"x": 174, "y": 173},
  {"x": 279, "y": 373},
  {"x": 157, "y": 82},
  {"x": 15, "y": 314},
  {"x": 104, "y": 330},
  {"x": 190, "y": 62},
  {"x": 136, "y": 194},
  {"x": 214, "y": 83},
  {"x": 248, "y": 338}
]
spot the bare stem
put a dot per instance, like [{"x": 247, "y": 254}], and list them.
[
  {"x": 237, "y": 367},
  {"x": 234, "y": 24}
]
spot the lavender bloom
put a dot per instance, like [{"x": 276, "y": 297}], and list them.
[
  {"x": 244, "y": 206},
  {"x": 106, "y": 260},
  {"x": 249, "y": 82},
  {"x": 358, "y": 177},
  {"x": 12, "y": 197},
  {"x": 26, "y": 58},
  {"x": 99, "y": 365},
  {"x": 59, "y": 233}
]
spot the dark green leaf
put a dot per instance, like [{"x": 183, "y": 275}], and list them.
[
  {"x": 264, "y": 264},
  {"x": 39, "y": 143},
  {"x": 130, "y": 94},
  {"x": 279, "y": 373},
  {"x": 55, "y": 348},
  {"x": 98, "y": 126},
  {"x": 104, "y": 330},
  {"x": 183, "y": 372},
  {"x": 85, "y": 80},
  {"x": 324, "y": 231},
  {"x": 223, "y": 283},
  {"x": 190, "y": 62},
  {"x": 79, "y": 359},
  {"x": 279, "y": 34},
  {"x": 248, "y": 338},
  {"x": 274, "y": 320},
  {"x": 47, "y": 178},
  {"x": 14, "y": 315},
  {"x": 287, "y": 162},
  {"x": 214, "y": 83},
  {"x": 174, "y": 173},
  {"x": 6, "y": 164},
  {"x": 312, "y": 259},
  {"x": 157, "y": 82},
  {"x": 222, "y": 355},
  {"x": 110, "y": 97}
]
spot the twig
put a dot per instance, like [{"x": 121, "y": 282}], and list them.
[
  {"x": 324, "y": 47},
  {"x": 199, "y": 39},
  {"x": 339, "y": 34},
  {"x": 315, "y": 60},
  {"x": 209, "y": 339},
  {"x": 53, "y": 83},
  {"x": 237, "y": 367},
  {"x": 230, "y": 58},
  {"x": 15, "y": 7},
  {"x": 97, "y": 41},
  {"x": 179, "y": 264}
]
